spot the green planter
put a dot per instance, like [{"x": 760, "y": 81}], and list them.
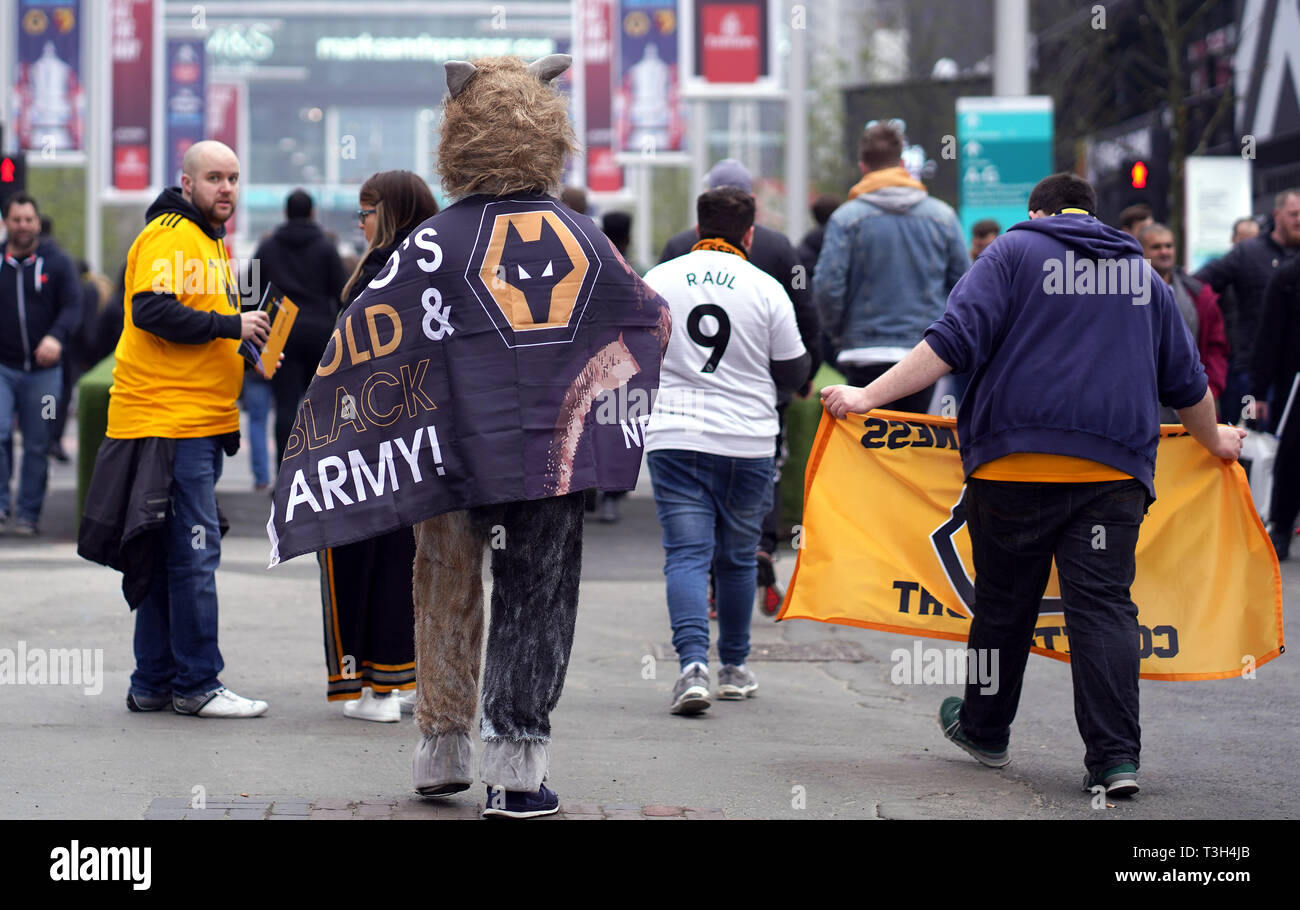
[
  {"x": 92, "y": 422},
  {"x": 801, "y": 419}
]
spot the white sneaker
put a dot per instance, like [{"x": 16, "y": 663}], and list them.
[
  {"x": 407, "y": 701},
  {"x": 219, "y": 703},
  {"x": 368, "y": 707}
]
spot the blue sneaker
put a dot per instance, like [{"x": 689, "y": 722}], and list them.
[{"x": 519, "y": 804}]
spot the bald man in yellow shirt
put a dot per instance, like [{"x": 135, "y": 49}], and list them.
[{"x": 171, "y": 415}]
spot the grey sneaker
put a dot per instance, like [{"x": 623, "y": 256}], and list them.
[
  {"x": 691, "y": 692},
  {"x": 218, "y": 703},
  {"x": 24, "y": 528},
  {"x": 736, "y": 683}
]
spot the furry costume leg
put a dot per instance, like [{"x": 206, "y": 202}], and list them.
[
  {"x": 534, "y": 609},
  {"x": 447, "y": 590}
]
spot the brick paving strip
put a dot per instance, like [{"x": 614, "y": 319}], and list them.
[{"x": 291, "y": 808}]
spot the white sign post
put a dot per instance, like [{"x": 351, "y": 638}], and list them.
[{"x": 1217, "y": 191}]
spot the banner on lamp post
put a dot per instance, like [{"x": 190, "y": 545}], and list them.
[
  {"x": 185, "y": 100},
  {"x": 49, "y": 103},
  {"x": 131, "y": 27},
  {"x": 648, "y": 119},
  {"x": 603, "y": 173}
]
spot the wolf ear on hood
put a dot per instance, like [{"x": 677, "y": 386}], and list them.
[
  {"x": 548, "y": 67},
  {"x": 459, "y": 72}
]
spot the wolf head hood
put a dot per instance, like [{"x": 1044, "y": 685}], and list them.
[
  {"x": 1084, "y": 233},
  {"x": 172, "y": 202},
  {"x": 505, "y": 129}
]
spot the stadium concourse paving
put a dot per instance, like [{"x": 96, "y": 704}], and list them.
[{"x": 828, "y": 735}]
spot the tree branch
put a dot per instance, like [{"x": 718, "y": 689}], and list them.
[{"x": 1221, "y": 111}]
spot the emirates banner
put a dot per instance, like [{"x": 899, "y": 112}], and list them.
[
  {"x": 731, "y": 38},
  {"x": 604, "y": 175},
  {"x": 131, "y": 23},
  {"x": 504, "y": 352},
  {"x": 885, "y": 546}
]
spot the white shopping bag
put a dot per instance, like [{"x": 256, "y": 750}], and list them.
[{"x": 1260, "y": 449}]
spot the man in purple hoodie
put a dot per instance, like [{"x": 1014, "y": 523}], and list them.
[{"x": 1072, "y": 343}]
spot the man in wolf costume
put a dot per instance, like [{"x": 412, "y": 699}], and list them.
[
  {"x": 505, "y": 134},
  {"x": 500, "y": 364}
]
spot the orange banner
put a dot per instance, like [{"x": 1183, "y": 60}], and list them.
[{"x": 884, "y": 546}]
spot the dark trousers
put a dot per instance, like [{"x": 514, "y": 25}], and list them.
[
  {"x": 1091, "y": 530},
  {"x": 71, "y": 373},
  {"x": 916, "y": 403},
  {"x": 536, "y": 565},
  {"x": 369, "y": 617},
  {"x": 767, "y": 539},
  {"x": 289, "y": 385},
  {"x": 1285, "y": 503},
  {"x": 1235, "y": 389}
]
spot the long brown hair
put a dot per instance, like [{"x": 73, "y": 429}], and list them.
[{"x": 401, "y": 200}]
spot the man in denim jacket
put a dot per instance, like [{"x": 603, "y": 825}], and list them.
[{"x": 890, "y": 257}]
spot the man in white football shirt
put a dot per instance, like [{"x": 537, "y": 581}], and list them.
[{"x": 709, "y": 442}]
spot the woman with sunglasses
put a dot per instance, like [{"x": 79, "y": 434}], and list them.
[{"x": 366, "y": 586}]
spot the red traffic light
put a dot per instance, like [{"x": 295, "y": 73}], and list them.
[
  {"x": 1139, "y": 175},
  {"x": 7, "y": 167}
]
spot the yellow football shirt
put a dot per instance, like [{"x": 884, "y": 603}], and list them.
[{"x": 164, "y": 388}]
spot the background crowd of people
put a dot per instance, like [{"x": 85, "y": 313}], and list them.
[{"x": 862, "y": 286}]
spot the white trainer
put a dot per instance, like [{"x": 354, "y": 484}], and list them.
[
  {"x": 407, "y": 701},
  {"x": 368, "y": 707},
  {"x": 219, "y": 703}
]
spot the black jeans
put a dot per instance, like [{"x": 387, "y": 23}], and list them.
[
  {"x": 916, "y": 403},
  {"x": 290, "y": 385},
  {"x": 1285, "y": 504},
  {"x": 1091, "y": 529}
]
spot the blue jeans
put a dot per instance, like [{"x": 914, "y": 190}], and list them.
[
  {"x": 34, "y": 398},
  {"x": 257, "y": 402},
  {"x": 176, "y": 625},
  {"x": 1016, "y": 529},
  {"x": 711, "y": 510}
]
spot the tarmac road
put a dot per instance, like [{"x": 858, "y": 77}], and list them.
[{"x": 823, "y": 738}]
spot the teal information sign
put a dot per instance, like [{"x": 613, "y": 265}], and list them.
[{"x": 1005, "y": 146}]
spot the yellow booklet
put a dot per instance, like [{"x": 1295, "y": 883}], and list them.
[{"x": 282, "y": 312}]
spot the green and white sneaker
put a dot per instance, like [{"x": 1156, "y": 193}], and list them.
[
  {"x": 1121, "y": 780},
  {"x": 950, "y": 721}
]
